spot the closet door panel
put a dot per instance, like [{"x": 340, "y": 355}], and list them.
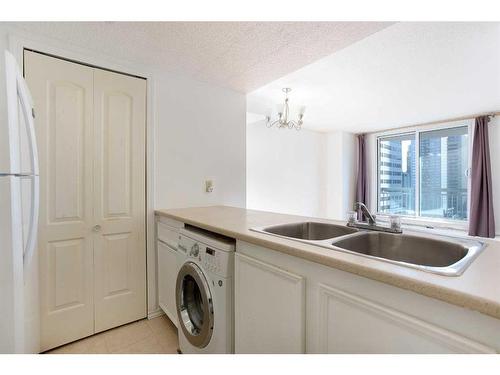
[
  {"x": 63, "y": 97},
  {"x": 119, "y": 198}
]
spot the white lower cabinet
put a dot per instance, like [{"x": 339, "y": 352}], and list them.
[
  {"x": 167, "y": 275},
  {"x": 167, "y": 232},
  {"x": 269, "y": 308},
  {"x": 284, "y": 304},
  {"x": 352, "y": 324}
]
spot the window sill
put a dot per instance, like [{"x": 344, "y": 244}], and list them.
[
  {"x": 426, "y": 223},
  {"x": 438, "y": 227},
  {"x": 447, "y": 232}
]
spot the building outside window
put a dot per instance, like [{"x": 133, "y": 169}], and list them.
[
  {"x": 397, "y": 174},
  {"x": 424, "y": 173}
]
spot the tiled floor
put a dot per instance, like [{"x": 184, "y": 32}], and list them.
[{"x": 153, "y": 336}]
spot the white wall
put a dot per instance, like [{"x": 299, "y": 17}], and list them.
[
  {"x": 300, "y": 172},
  {"x": 200, "y": 134},
  {"x": 285, "y": 170},
  {"x": 340, "y": 173}
]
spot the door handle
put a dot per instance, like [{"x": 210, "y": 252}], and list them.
[{"x": 96, "y": 228}]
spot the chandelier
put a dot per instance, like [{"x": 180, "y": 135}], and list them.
[{"x": 283, "y": 120}]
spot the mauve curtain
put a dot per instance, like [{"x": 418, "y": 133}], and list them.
[
  {"x": 482, "y": 220},
  {"x": 362, "y": 179}
]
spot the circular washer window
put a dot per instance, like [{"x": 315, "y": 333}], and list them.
[{"x": 194, "y": 305}]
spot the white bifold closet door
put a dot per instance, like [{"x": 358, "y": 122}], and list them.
[
  {"x": 119, "y": 199},
  {"x": 90, "y": 126}
]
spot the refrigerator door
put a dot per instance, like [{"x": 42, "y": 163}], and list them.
[
  {"x": 12, "y": 321},
  {"x": 20, "y": 156},
  {"x": 19, "y": 153},
  {"x": 29, "y": 208},
  {"x": 19, "y": 203},
  {"x": 19, "y": 278}
]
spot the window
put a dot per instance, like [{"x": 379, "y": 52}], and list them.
[
  {"x": 444, "y": 161},
  {"x": 396, "y": 171},
  {"x": 424, "y": 173}
]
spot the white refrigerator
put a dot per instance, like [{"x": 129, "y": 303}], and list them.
[{"x": 19, "y": 203}]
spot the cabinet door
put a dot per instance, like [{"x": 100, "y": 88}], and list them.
[
  {"x": 352, "y": 324},
  {"x": 119, "y": 199},
  {"x": 62, "y": 92},
  {"x": 167, "y": 277},
  {"x": 269, "y": 308}
]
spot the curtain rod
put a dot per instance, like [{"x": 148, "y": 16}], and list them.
[{"x": 468, "y": 117}]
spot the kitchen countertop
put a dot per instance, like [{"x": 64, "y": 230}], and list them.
[{"x": 478, "y": 288}]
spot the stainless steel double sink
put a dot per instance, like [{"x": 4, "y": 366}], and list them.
[{"x": 448, "y": 256}]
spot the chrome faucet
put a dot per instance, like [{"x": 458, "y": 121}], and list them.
[
  {"x": 371, "y": 224},
  {"x": 366, "y": 212}
]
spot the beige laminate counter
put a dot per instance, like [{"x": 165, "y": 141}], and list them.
[{"x": 478, "y": 288}]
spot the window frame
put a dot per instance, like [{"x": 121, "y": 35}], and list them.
[{"x": 416, "y": 131}]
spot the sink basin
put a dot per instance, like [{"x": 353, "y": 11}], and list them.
[
  {"x": 448, "y": 257},
  {"x": 311, "y": 231}
]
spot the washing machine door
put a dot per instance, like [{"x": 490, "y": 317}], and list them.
[{"x": 194, "y": 305}]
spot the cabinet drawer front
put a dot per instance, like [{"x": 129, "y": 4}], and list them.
[{"x": 168, "y": 235}]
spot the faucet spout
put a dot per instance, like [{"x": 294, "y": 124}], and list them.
[{"x": 366, "y": 212}]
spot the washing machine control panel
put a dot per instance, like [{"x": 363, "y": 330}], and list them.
[{"x": 210, "y": 258}]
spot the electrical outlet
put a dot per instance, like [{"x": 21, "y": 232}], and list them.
[{"x": 209, "y": 186}]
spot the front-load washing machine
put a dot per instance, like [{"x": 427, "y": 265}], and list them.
[{"x": 204, "y": 292}]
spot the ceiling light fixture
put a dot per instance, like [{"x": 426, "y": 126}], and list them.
[{"x": 283, "y": 113}]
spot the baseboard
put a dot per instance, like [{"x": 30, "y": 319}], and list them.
[{"x": 155, "y": 313}]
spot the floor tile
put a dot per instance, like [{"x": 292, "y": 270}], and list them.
[
  {"x": 127, "y": 335},
  {"x": 90, "y": 345},
  {"x": 149, "y": 345},
  {"x": 157, "y": 335},
  {"x": 165, "y": 332}
]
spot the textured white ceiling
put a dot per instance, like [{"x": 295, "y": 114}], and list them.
[
  {"x": 239, "y": 55},
  {"x": 406, "y": 74}
]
